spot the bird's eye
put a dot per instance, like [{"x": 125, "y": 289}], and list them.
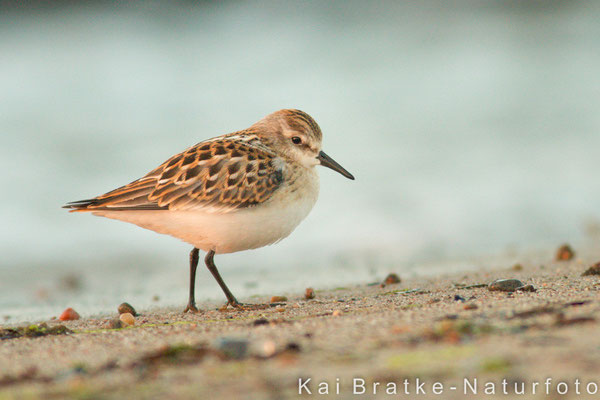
[{"x": 296, "y": 140}]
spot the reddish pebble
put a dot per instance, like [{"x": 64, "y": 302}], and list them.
[
  {"x": 279, "y": 299},
  {"x": 391, "y": 279},
  {"x": 127, "y": 318},
  {"x": 309, "y": 293},
  {"x": 565, "y": 253},
  {"x": 69, "y": 315}
]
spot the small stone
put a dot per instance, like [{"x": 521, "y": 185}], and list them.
[
  {"x": 292, "y": 347},
  {"x": 517, "y": 267},
  {"x": 114, "y": 323},
  {"x": 336, "y": 313},
  {"x": 232, "y": 348},
  {"x": 459, "y": 298},
  {"x": 565, "y": 253},
  {"x": 309, "y": 293},
  {"x": 260, "y": 321},
  {"x": 279, "y": 299},
  {"x": 127, "y": 318},
  {"x": 505, "y": 285},
  {"x": 69, "y": 315},
  {"x": 593, "y": 270},
  {"x": 391, "y": 279},
  {"x": 470, "y": 306},
  {"x": 267, "y": 349},
  {"x": 126, "y": 308},
  {"x": 527, "y": 288}
]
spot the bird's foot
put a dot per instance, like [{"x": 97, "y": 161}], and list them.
[{"x": 191, "y": 308}]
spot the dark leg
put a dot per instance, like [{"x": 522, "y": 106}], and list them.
[
  {"x": 191, "y": 306},
  {"x": 210, "y": 264}
]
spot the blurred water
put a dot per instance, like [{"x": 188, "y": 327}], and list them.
[{"x": 472, "y": 127}]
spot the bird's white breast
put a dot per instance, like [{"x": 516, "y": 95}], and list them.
[{"x": 243, "y": 229}]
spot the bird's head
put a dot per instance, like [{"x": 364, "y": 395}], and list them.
[{"x": 295, "y": 135}]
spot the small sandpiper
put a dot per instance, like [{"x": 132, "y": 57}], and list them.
[{"x": 235, "y": 192}]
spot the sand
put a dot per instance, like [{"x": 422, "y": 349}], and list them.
[{"x": 431, "y": 329}]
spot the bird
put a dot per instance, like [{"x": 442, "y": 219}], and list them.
[{"x": 231, "y": 193}]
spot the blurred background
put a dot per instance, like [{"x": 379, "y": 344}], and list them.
[{"x": 472, "y": 128}]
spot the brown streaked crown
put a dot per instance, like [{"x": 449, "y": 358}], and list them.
[{"x": 277, "y": 129}]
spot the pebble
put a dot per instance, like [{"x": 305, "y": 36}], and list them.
[
  {"x": 527, "y": 288},
  {"x": 459, "y": 298},
  {"x": 593, "y": 270},
  {"x": 260, "y": 321},
  {"x": 267, "y": 349},
  {"x": 471, "y": 306},
  {"x": 114, "y": 323},
  {"x": 127, "y": 318},
  {"x": 309, "y": 293},
  {"x": 565, "y": 253},
  {"x": 278, "y": 299},
  {"x": 505, "y": 285},
  {"x": 336, "y": 313},
  {"x": 293, "y": 347},
  {"x": 517, "y": 267},
  {"x": 127, "y": 308},
  {"x": 391, "y": 279},
  {"x": 69, "y": 315},
  {"x": 232, "y": 348}
]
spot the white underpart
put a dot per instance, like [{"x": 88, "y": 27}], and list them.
[{"x": 243, "y": 229}]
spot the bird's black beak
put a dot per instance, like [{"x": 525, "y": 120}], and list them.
[{"x": 329, "y": 162}]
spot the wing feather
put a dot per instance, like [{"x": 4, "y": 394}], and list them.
[{"x": 222, "y": 174}]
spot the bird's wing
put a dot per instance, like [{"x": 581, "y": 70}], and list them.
[{"x": 219, "y": 175}]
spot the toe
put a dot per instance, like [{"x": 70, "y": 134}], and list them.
[{"x": 190, "y": 308}]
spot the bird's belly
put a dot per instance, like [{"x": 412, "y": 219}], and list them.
[{"x": 227, "y": 232}]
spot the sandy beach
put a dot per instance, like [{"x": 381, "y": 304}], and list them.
[
  {"x": 471, "y": 129},
  {"x": 437, "y": 330}
]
